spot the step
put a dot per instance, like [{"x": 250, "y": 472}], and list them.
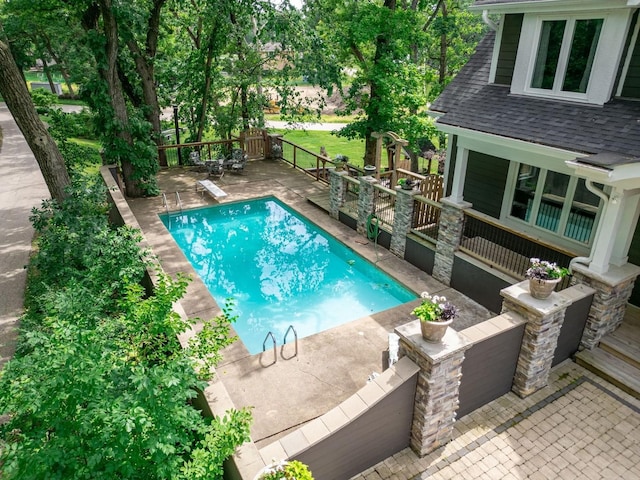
[
  {"x": 624, "y": 343},
  {"x": 612, "y": 369}
]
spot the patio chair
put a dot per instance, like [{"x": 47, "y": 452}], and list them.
[
  {"x": 215, "y": 167},
  {"x": 236, "y": 161}
]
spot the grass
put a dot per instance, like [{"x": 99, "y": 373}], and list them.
[
  {"x": 312, "y": 140},
  {"x": 323, "y": 118}
]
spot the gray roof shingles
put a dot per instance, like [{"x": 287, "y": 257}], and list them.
[{"x": 470, "y": 102}]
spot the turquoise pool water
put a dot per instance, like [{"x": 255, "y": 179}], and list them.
[{"x": 280, "y": 269}]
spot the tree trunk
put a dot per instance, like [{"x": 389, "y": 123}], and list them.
[
  {"x": 443, "y": 47},
  {"x": 47, "y": 72},
  {"x": 202, "y": 119},
  {"x": 144, "y": 68},
  {"x": 110, "y": 75},
  {"x": 45, "y": 150}
]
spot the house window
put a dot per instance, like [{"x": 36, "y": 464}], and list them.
[
  {"x": 565, "y": 56},
  {"x": 554, "y": 202}
]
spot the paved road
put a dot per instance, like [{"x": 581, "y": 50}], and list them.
[{"x": 22, "y": 187}]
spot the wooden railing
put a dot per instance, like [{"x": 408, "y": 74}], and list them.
[
  {"x": 505, "y": 249},
  {"x": 178, "y": 154},
  {"x": 309, "y": 162}
]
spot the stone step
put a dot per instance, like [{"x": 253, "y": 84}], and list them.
[
  {"x": 611, "y": 368},
  {"x": 624, "y": 343}
]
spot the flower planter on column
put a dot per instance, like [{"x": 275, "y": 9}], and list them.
[
  {"x": 541, "y": 289},
  {"x": 433, "y": 332}
]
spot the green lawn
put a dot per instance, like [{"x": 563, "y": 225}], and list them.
[{"x": 312, "y": 140}]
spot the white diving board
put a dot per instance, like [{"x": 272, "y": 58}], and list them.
[{"x": 213, "y": 189}]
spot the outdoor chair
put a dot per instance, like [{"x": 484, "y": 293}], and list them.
[
  {"x": 236, "y": 161},
  {"x": 215, "y": 167}
]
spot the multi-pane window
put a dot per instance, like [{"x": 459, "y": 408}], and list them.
[
  {"x": 565, "y": 55},
  {"x": 555, "y": 202}
]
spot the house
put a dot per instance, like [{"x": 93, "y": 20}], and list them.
[{"x": 544, "y": 137}]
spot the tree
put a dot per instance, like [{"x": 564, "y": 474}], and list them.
[
  {"x": 15, "y": 93},
  {"x": 382, "y": 43}
]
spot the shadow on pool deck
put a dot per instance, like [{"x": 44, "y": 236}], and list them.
[{"x": 330, "y": 366}]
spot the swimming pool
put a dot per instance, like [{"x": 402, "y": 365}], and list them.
[{"x": 280, "y": 269}]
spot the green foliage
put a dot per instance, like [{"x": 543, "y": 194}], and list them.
[
  {"x": 101, "y": 387},
  {"x": 292, "y": 470},
  {"x": 43, "y": 100}
]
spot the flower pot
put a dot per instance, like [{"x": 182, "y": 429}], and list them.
[
  {"x": 406, "y": 186},
  {"x": 541, "y": 289},
  {"x": 434, "y": 331}
]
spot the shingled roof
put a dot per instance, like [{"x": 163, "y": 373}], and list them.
[{"x": 470, "y": 102}]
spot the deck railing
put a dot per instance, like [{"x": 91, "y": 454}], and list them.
[
  {"x": 351, "y": 195},
  {"x": 505, "y": 249},
  {"x": 384, "y": 201},
  {"x": 309, "y": 162},
  {"x": 426, "y": 218},
  {"x": 179, "y": 154}
]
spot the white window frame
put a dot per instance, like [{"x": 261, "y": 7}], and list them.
[
  {"x": 607, "y": 57},
  {"x": 530, "y": 226}
]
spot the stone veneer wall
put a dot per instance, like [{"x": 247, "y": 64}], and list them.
[
  {"x": 366, "y": 203},
  {"x": 402, "y": 220},
  {"x": 438, "y": 386},
  {"x": 449, "y": 236},
  {"x": 544, "y": 321},
  {"x": 610, "y": 301},
  {"x": 336, "y": 193}
]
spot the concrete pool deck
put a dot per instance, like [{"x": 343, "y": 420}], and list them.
[{"x": 330, "y": 366}]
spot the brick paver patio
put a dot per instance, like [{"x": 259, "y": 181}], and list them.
[{"x": 578, "y": 427}]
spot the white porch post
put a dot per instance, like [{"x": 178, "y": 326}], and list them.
[
  {"x": 631, "y": 206},
  {"x": 608, "y": 231},
  {"x": 459, "y": 174}
]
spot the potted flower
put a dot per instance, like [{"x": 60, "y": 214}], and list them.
[
  {"x": 283, "y": 470},
  {"x": 341, "y": 161},
  {"x": 435, "y": 314},
  {"x": 543, "y": 277},
  {"x": 406, "y": 183}
]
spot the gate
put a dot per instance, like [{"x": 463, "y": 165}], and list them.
[{"x": 253, "y": 142}]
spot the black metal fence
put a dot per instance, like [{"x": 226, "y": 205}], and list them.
[{"x": 506, "y": 249}]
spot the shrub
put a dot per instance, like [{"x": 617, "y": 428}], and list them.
[{"x": 100, "y": 386}]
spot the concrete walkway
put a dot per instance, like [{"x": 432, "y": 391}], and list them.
[{"x": 22, "y": 188}]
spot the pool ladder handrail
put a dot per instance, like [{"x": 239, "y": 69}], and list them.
[
  {"x": 165, "y": 202},
  {"x": 275, "y": 350},
  {"x": 284, "y": 342}
]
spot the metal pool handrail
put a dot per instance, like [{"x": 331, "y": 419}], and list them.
[
  {"x": 284, "y": 341},
  {"x": 273, "y": 339}
]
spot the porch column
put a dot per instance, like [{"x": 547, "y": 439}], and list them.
[
  {"x": 449, "y": 236},
  {"x": 631, "y": 210},
  {"x": 437, "y": 391},
  {"x": 611, "y": 221},
  {"x": 544, "y": 320},
  {"x": 366, "y": 202},
  {"x": 403, "y": 216},
  {"x": 336, "y": 192},
  {"x": 459, "y": 174},
  {"x": 613, "y": 290}
]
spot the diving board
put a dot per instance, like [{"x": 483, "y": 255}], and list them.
[{"x": 214, "y": 190}]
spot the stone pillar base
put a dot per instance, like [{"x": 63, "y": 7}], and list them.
[
  {"x": 438, "y": 385},
  {"x": 613, "y": 290}
]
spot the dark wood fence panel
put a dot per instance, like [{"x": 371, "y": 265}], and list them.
[
  {"x": 379, "y": 433},
  {"x": 575, "y": 319},
  {"x": 488, "y": 369},
  {"x": 480, "y": 284}
]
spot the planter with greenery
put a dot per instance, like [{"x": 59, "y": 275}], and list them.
[
  {"x": 543, "y": 277},
  {"x": 407, "y": 183},
  {"x": 292, "y": 470},
  {"x": 435, "y": 314}
]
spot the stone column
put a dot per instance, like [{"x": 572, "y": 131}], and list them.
[
  {"x": 449, "y": 236},
  {"x": 402, "y": 219},
  {"x": 613, "y": 290},
  {"x": 438, "y": 387},
  {"x": 336, "y": 192},
  {"x": 366, "y": 203},
  {"x": 544, "y": 320}
]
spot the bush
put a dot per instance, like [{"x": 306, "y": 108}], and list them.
[{"x": 100, "y": 386}]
